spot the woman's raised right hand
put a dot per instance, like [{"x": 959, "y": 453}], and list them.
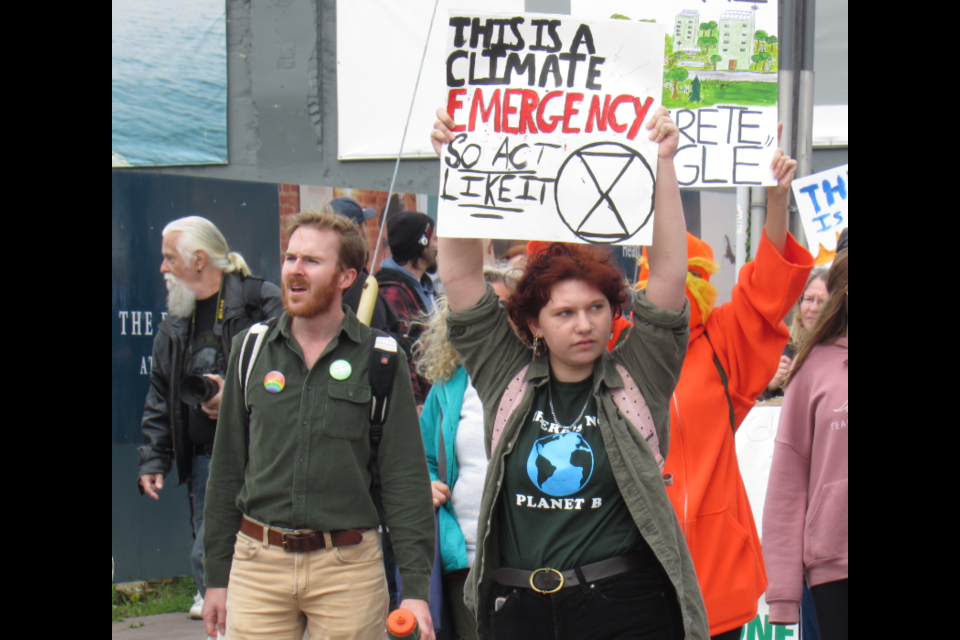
[{"x": 442, "y": 130}]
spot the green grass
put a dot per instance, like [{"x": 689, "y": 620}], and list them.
[
  {"x": 161, "y": 597},
  {"x": 724, "y": 92}
]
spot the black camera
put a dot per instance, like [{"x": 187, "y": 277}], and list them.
[{"x": 196, "y": 389}]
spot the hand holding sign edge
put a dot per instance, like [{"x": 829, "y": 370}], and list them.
[
  {"x": 665, "y": 133},
  {"x": 442, "y": 130}
]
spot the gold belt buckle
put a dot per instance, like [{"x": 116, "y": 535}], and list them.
[{"x": 534, "y": 587}]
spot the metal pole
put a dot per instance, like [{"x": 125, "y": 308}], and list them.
[
  {"x": 804, "y": 141},
  {"x": 758, "y": 217},
  {"x": 743, "y": 210},
  {"x": 787, "y": 65}
]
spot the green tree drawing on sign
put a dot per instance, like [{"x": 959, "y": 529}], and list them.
[
  {"x": 771, "y": 40},
  {"x": 756, "y": 59},
  {"x": 711, "y": 27},
  {"x": 761, "y": 40},
  {"x": 695, "y": 90},
  {"x": 619, "y": 16},
  {"x": 676, "y": 76},
  {"x": 764, "y": 56},
  {"x": 706, "y": 44},
  {"x": 648, "y": 19},
  {"x": 715, "y": 59}
]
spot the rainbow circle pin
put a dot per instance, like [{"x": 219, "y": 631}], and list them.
[{"x": 273, "y": 382}]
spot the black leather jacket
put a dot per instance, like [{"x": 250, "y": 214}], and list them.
[{"x": 247, "y": 301}]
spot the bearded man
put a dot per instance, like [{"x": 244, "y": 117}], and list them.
[
  {"x": 293, "y": 464},
  {"x": 211, "y": 297},
  {"x": 734, "y": 350}
]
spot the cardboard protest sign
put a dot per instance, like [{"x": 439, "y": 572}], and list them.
[
  {"x": 823, "y": 200},
  {"x": 550, "y": 114},
  {"x": 719, "y": 83}
]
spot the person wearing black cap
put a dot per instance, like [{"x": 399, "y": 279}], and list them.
[{"x": 404, "y": 277}]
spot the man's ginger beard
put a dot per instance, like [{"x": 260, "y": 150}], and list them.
[
  {"x": 180, "y": 300},
  {"x": 320, "y": 303}
]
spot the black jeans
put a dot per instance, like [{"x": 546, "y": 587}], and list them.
[
  {"x": 832, "y": 603},
  {"x": 637, "y": 604}
]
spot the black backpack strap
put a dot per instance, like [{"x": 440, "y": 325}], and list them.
[
  {"x": 251, "y": 297},
  {"x": 723, "y": 379},
  {"x": 383, "y": 370}
]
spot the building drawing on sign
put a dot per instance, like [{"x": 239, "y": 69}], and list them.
[
  {"x": 736, "y": 38},
  {"x": 686, "y": 30}
]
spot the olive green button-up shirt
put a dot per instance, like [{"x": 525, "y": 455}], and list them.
[{"x": 300, "y": 459}]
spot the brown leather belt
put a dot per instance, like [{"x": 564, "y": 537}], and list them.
[
  {"x": 302, "y": 541},
  {"x": 551, "y": 580}
]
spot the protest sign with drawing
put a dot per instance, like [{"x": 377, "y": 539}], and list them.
[
  {"x": 550, "y": 138},
  {"x": 719, "y": 83},
  {"x": 823, "y": 201}
]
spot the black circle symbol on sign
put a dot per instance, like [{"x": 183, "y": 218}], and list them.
[{"x": 604, "y": 192}]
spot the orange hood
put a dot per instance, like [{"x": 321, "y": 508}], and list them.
[{"x": 700, "y": 292}]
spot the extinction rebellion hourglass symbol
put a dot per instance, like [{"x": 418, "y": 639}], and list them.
[{"x": 604, "y": 192}]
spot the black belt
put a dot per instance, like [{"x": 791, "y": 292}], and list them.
[{"x": 550, "y": 580}]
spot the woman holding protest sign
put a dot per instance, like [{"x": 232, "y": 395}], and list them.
[
  {"x": 576, "y": 535},
  {"x": 805, "y": 515}
]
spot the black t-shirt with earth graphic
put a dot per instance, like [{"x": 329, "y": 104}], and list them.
[{"x": 560, "y": 504}]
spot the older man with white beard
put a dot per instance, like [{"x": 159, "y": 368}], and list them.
[{"x": 211, "y": 298}]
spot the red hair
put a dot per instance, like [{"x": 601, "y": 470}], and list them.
[{"x": 559, "y": 262}]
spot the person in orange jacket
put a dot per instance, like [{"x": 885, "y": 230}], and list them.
[{"x": 734, "y": 351}]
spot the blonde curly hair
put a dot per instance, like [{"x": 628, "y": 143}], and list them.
[{"x": 436, "y": 359}]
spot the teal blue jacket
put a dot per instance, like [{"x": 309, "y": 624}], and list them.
[{"x": 442, "y": 409}]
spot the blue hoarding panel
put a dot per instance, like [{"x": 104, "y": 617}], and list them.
[{"x": 152, "y": 539}]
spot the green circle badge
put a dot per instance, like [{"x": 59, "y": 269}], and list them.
[{"x": 340, "y": 370}]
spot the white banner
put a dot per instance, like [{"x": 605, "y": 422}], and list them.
[
  {"x": 550, "y": 114},
  {"x": 379, "y": 48},
  {"x": 755, "y": 442}
]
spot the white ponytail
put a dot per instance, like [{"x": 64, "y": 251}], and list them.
[{"x": 199, "y": 233}]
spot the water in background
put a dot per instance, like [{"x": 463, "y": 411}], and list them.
[{"x": 169, "y": 82}]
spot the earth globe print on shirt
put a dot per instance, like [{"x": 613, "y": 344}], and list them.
[{"x": 560, "y": 464}]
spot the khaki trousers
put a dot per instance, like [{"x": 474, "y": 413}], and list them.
[{"x": 335, "y": 593}]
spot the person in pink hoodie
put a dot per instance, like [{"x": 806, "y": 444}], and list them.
[{"x": 805, "y": 516}]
